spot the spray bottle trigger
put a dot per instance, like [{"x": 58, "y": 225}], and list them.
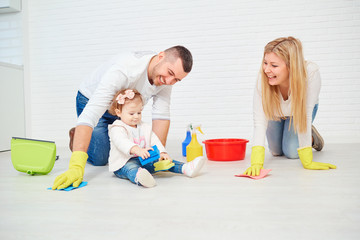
[{"x": 199, "y": 129}]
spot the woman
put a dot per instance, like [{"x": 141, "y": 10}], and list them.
[{"x": 285, "y": 104}]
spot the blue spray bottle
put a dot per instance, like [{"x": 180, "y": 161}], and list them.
[{"x": 186, "y": 141}]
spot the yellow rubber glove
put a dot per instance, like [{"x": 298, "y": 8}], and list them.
[
  {"x": 306, "y": 157},
  {"x": 257, "y": 161},
  {"x": 75, "y": 173}
]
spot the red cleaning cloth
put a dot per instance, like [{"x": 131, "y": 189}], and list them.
[{"x": 263, "y": 173}]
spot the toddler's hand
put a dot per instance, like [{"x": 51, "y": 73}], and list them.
[
  {"x": 141, "y": 152},
  {"x": 165, "y": 156}
]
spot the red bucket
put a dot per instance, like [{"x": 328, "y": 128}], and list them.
[{"x": 225, "y": 149}]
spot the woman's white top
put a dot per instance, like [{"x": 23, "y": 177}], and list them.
[
  {"x": 128, "y": 70},
  {"x": 261, "y": 122}
]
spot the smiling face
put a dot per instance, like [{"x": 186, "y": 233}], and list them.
[
  {"x": 130, "y": 113},
  {"x": 276, "y": 70},
  {"x": 167, "y": 70}
]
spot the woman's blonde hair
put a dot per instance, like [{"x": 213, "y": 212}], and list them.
[
  {"x": 290, "y": 51},
  {"x": 115, "y": 104}
]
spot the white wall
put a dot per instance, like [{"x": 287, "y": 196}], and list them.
[
  {"x": 11, "y": 42},
  {"x": 67, "y": 39},
  {"x": 12, "y": 121},
  {"x": 11, "y": 104}
]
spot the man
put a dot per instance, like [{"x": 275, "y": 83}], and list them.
[{"x": 151, "y": 74}]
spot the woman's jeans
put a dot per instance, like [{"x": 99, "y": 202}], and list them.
[
  {"x": 282, "y": 141},
  {"x": 129, "y": 170},
  {"x": 99, "y": 147}
]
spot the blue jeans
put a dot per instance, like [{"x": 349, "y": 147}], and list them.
[
  {"x": 129, "y": 170},
  {"x": 282, "y": 141},
  {"x": 99, "y": 147}
]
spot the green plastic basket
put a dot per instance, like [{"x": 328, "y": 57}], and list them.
[{"x": 33, "y": 156}]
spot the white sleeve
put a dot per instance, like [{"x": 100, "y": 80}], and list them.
[
  {"x": 161, "y": 104},
  {"x": 260, "y": 120},
  {"x": 119, "y": 137},
  {"x": 313, "y": 91},
  {"x": 100, "y": 101}
]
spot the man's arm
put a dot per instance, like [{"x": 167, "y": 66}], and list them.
[
  {"x": 161, "y": 129},
  {"x": 82, "y": 138}
]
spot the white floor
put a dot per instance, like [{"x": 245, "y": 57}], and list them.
[{"x": 291, "y": 203}]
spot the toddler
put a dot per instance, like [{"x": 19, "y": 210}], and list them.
[{"x": 130, "y": 138}]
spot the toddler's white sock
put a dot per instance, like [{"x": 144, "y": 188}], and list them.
[{"x": 191, "y": 169}]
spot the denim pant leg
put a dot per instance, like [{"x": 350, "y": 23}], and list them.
[
  {"x": 274, "y": 134},
  {"x": 99, "y": 147},
  {"x": 129, "y": 170},
  {"x": 289, "y": 142},
  {"x": 175, "y": 169},
  {"x": 150, "y": 167}
]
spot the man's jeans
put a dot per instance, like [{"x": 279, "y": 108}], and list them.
[{"x": 99, "y": 147}]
